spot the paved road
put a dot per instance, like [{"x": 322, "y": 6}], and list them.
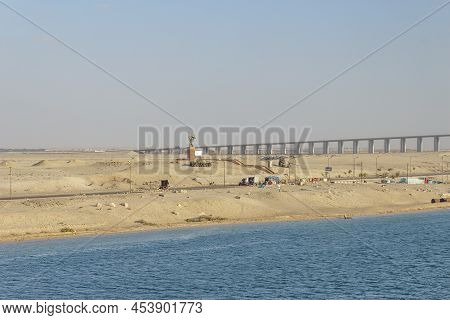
[
  {"x": 209, "y": 187},
  {"x": 62, "y": 195},
  {"x": 437, "y": 176},
  {"x": 214, "y": 186}
]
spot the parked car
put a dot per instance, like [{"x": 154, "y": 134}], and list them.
[{"x": 250, "y": 181}]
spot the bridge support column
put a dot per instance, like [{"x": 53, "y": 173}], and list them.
[
  {"x": 311, "y": 147},
  {"x": 402, "y": 145},
  {"x": 436, "y": 144},
  {"x": 355, "y": 146},
  {"x": 387, "y": 145},
  {"x": 257, "y": 149},
  {"x": 371, "y": 146},
  {"x": 230, "y": 149},
  {"x": 283, "y": 149},
  {"x": 269, "y": 148},
  {"x": 205, "y": 150},
  {"x": 326, "y": 147},
  {"x": 298, "y": 148},
  {"x": 243, "y": 150},
  {"x": 340, "y": 147},
  {"x": 419, "y": 144},
  {"x": 218, "y": 149}
]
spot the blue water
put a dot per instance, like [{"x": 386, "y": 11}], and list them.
[{"x": 390, "y": 257}]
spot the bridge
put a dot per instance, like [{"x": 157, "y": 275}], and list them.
[{"x": 309, "y": 147}]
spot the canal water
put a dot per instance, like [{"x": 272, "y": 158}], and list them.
[{"x": 387, "y": 257}]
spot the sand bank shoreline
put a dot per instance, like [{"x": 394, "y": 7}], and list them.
[{"x": 290, "y": 218}]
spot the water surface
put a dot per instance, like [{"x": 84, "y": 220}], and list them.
[{"x": 389, "y": 257}]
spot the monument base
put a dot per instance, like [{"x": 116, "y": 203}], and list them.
[{"x": 191, "y": 153}]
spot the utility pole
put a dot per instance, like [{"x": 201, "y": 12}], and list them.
[
  {"x": 376, "y": 166},
  {"x": 295, "y": 172},
  {"x": 130, "y": 174},
  {"x": 289, "y": 172},
  {"x": 224, "y": 163},
  {"x": 407, "y": 173},
  {"x": 329, "y": 166},
  {"x": 10, "y": 183},
  {"x": 361, "y": 172},
  {"x": 442, "y": 167},
  {"x": 212, "y": 168}
]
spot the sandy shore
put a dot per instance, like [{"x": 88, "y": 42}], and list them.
[{"x": 150, "y": 209}]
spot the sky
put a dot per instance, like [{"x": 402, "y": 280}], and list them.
[{"x": 220, "y": 63}]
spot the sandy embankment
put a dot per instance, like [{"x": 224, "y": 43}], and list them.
[
  {"x": 80, "y": 215},
  {"x": 150, "y": 209}
]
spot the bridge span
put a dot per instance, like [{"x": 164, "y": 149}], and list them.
[{"x": 309, "y": 147}]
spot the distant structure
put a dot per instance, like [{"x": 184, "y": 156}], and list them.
[
  {"x": 191, "y": 140},
  {"x": 191, "y": 148},
  {"x": 195, "y": 156},
  {"x": 307, "y": 147}
]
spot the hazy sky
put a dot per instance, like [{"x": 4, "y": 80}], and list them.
[{"x": 220, "y": 63}]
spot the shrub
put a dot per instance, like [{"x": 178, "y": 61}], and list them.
[
  {"x": 145, "y": 223},
  {"x": 205, "y": 218}
]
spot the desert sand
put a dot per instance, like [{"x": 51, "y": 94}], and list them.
[{"x": 197, "y": 196}]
